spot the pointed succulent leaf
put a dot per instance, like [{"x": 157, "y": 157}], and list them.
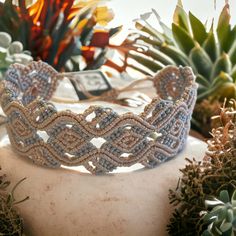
[
  {"x": 201, "y": 60},
  {"x": 198, "y": 29},
  {"x": 180, "y": 17},
  {"x": 210, "y": 46},
  {"x": 222, "y": 64},
  {"x": 183, "y": 39},
  {"x": 224, "y": 18},
  {"x": 223, "y": 28},
  {"x": 177, "y": 55},
  {"x": 229, "y": 39}
]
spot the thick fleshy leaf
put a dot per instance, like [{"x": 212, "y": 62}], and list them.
[
  {"x": 198, "y": 29},
  {"x": 226, "y": 228},
  {"x": 180, "y": 17},
  {"x": 201, "y": 60},
  {"x": 182, "y": 38},
  {"x": 223, "y": 64},
  {"x": 224, "y": 18},
  {"x": 210, "y": 45},
  {"x": 223, "y": 28},
  {"x": 224, "y": 196},
  {"x": 177, "y": 55},
  {"x": 230, "y": 215},
  {"x": 212, "y": 214}
]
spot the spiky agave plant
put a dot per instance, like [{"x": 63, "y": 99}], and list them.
[
  {"x": 66, "y": 34},
  {"x": 210, "y": 52}
]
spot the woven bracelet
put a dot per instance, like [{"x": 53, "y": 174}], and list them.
[{"x": 52, "y": 138}]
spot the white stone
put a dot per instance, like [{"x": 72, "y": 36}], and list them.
[{"x": 67, "y": 202}]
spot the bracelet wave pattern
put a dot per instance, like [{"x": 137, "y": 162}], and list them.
[{"x": 99, "y": 138}]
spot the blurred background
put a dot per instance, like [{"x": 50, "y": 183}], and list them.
[{"x": 128, "y": 10}]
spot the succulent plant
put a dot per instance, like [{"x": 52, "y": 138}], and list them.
[
  {"x": 203, "y": 180},
  {"x": 221, "y": 220},
  {"x": 69, "y": 34},
  {"x": 11, "y": 223},
  {"x": 11, "y": 52},
  {"x": 210, "y": 52}
]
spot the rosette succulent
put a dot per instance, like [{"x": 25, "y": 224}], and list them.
[
  {"x": 11, "y": 52},
  {"x": 221, "y": 220}
]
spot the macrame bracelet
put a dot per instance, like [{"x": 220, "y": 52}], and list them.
[{"x": 62, "y": 138}]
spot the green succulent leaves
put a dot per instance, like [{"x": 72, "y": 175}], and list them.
[
  {"x": 11, "y": 52},
  {"x": 221, "y": 220},
  {"x": 209, "y": 52}
]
